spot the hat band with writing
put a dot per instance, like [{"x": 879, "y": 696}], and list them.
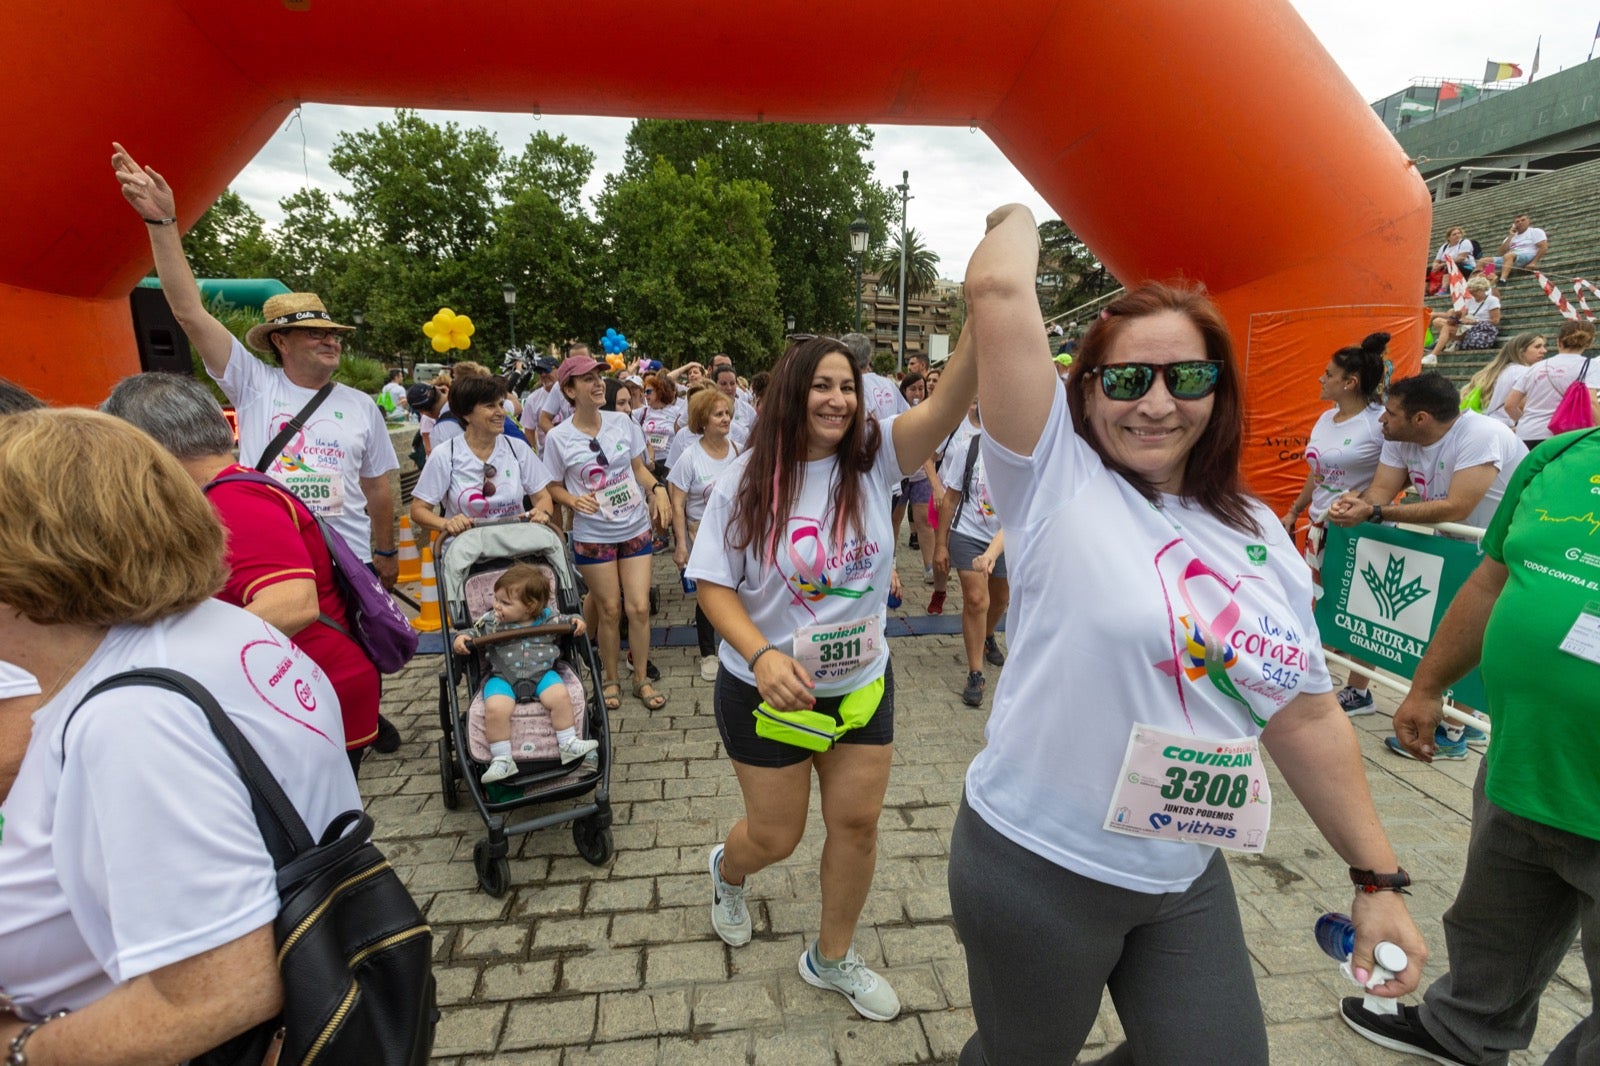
[{"x": 299, "y": 316}]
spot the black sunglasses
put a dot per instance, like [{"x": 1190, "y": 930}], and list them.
[
  {"x": 488, "y": 481},
  {"x": 1190, "y": 380},
  {"x": 599, "y": 456}
]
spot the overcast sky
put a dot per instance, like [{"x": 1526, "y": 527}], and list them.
[{"x": 1380, "y": 44}]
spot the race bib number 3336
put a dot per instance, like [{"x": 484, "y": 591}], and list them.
[{"x": 1194, "y": 789}]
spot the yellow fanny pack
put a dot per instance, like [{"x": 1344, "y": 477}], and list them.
[{"x": 818, "y": 730}]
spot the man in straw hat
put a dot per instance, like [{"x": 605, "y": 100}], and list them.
[{"x": 339, "y": 461}]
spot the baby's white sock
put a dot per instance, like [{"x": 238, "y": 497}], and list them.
[
  {"x": 499, "y": 749},
  {"x": 564, "y": 735}
]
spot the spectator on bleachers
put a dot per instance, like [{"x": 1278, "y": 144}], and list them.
[
  {"x": 1523, "y": 247},
  {"x": 1535, "y": 399},
  {"x": 1487, "y": 391},
  {"x": 1455, "y": 247},
  {"x": 1475, "y": 326}
]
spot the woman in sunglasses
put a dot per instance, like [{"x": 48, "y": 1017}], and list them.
[
  {"x": 1160, "y": 627},
  {"x": 598, "y": 459},
  {"x": 481, "y": 474},
  {"x": 796, "y": 578}
]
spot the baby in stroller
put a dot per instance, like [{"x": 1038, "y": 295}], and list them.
[{"x": 523, "y": 669}]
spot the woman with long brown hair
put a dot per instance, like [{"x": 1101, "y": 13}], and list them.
[{"x": 797, "y": 582}]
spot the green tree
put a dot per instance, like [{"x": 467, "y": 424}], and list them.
[
  {"x": 313, "y": 243},
  {"x": 1069, "y": 273},
  {"x": 819, "y": 181},
  {"x": 689, "y": 262},
  {"x": 922, "y": 266},
  {"x": 229, "y": 241}
]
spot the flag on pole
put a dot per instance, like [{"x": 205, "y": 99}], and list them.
[
  {"x": 1493, "y": 71},
  {"x": 1591, "y": 43},
  {"x": 1534, "y": 70}
]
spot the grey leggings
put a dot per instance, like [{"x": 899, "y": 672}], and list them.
[{"x": 1042, "y": 942}]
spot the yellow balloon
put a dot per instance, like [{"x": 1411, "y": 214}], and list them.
[
  {"x": 441, "y": 343},
  {"x": 464, "y": 325},
  {"x": 429, "y": 328},
  {"x": 463, "y": 343}
]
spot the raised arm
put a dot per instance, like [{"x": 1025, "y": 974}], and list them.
[
  {"x": 151, "y": 197},
  {"x": 920, "y": 430},
  {"x": 1015, "y": 374}
]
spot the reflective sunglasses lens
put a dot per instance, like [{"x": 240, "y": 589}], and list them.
[
  {"x": 1126, "y": 381},
  {"x": 1192, "y": 381}
]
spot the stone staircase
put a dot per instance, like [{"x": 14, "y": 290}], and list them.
[{"x": 1566, "y": 205}]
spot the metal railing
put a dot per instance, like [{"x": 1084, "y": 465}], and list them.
[{"x": 1088, "y": 307}]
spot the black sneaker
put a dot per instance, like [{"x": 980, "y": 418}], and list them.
[
  {"x": 1401, "y": 1032},
  {"x": 911, "y": 542},
  {"x": 972, "y": 695},
  {"x": 388, "y": 739},
  {"x": 992, "y": 653}
]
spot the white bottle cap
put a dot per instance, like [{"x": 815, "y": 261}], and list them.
[{"x": 1391, "y": 957}]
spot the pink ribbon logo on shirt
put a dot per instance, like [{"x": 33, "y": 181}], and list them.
[
  {"x": 1213, "y": 647},
  {"x": 811, "y": 582}
]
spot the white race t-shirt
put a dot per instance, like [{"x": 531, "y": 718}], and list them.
[
  {"x": 695, "y": 473},
  {"x": 1495, "y": 405},
  {"x": 816, "y": 577},
  {"x": 882, "y": 397},
  {"x": 743, "y": 413},
  {"x": 1544, "y": 385},
  {"x": 1527, "y": 242},
  {"x": 344, "y": 440},
  {"x": 445, "y": 428},
  {"x": 659, "y": 425},
  {"x": 455, "y": 476},
  {"x": 570, "y": 460},
  {"x": 1450, "y": 251},
  {"x": 1480, "y": 310},
  {"x": 977, "y": 517},
  {"x": 15, "y": 681},
  {"x": 140, "y": 850},
  {"x": 1107, "y": 604},
  {"x": 1342, "y": 456},
  {"x": 396, "y": 393},
  {"x": 557, "y": 406},
  {"x": 684, "y": 439},
  {"x": 1471, "y": 440}
]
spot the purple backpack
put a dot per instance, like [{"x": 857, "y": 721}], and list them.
[{"x": 378, "y": 626}]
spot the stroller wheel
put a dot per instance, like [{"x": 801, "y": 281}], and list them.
[
  {"x": 494, "y": 874},
  {"x": 447, "y": 775},
  {"x": 593, "y": 841}
]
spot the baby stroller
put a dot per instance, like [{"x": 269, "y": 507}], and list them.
[{"x": 469, "y": 565}]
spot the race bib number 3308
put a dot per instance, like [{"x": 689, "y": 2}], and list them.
[{"x": 1195, "y": 789}]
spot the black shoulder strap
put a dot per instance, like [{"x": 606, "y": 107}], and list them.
[
  {"x": 966, "y": 476},
  {"x": 282, "y": 829},
  {"x": 293, "y": 426}
]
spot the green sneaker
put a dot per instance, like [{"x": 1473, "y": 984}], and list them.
[{"x": 867, "y": 992}]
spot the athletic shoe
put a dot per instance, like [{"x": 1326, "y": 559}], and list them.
[
  {"x": 1430, "y": 360},
  {"x": 501, "y": 768},
  {"x": 575, "y": 749},
  {"x": 927, "y": 575},
  {"x": 708, "y": 668},
  {"x": 992, "y": 653},
  {"x": 1443, "y": 748},
  {"x": 972, "y": 695},
  {"x": 1401, "y": 1032},
  {"x": 387, "y": 741},
  {"x": 868, "y": 993},
  {"x": 1474, "y": 736},
  {"x": 936, "y": 603},
  {"x": 1357, "y": 703},
  {"x": 911, "y": 542},
  {"x": 729, "y": 916}
]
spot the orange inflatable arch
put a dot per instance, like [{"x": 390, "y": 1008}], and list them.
[{"x": 1218, "y": 142}]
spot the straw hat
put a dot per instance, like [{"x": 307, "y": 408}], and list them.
[{"x": 290, "y": 310}]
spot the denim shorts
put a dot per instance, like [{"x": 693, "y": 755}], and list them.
[{"x": 735, "y": 703}]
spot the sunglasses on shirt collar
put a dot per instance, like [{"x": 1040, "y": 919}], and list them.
[
  {"x": 599, "y": 454},
  {"x": 1190, "y": 380}
]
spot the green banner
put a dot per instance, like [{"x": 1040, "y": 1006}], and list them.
[{"x": 1384, "y": 592}]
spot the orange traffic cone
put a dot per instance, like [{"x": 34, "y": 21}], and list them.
[
  {"x": 428, "y": 621},
  {"x": 410, "y": 561}
]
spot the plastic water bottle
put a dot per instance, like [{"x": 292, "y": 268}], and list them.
[
  {"x": 688, "y": 582},
  {"x": 1336, "y": 936}
]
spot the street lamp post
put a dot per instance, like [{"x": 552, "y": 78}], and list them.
[
  {"x": 860, "y": 233},
  {"x": 788, "y": 325},
  {"x": 904, "y": 188},
  {"x": 510, "y": 292}
]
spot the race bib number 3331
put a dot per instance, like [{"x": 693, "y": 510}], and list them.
[{"x": 1194, "y": 789}]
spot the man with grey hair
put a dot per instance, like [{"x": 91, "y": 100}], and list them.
[{"x": 880, "y": 396}]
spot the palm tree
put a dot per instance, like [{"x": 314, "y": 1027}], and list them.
[{"x": 922, "y": 267}]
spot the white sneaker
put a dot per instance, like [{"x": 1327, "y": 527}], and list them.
[
  {"x": 1430, "y": 360},
  {"x": 708, "y": 668},
  {"x": 867, "y": 991},
  {"x": 501, "y": 768},
  {"x": 927, "y": 575},
  {"x": 729, "y": 916},
  {"x": 576, "y": 748}
]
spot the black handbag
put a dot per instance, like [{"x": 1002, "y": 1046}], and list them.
[{"x": 355, "y": 953}]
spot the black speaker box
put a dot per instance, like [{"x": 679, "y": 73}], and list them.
[{"x": 162, "y": 344}]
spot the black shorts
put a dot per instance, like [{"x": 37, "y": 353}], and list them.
[{"x": 735, "y": 703}]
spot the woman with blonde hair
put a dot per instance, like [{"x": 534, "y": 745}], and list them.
[
  {"x": 1477, "y": 323},
  {"x": 1491, "y": 386},
  {"x": 136, "y": 891}
]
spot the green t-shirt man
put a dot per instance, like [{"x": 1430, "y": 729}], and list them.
[{"x": 1544, "y": 759}]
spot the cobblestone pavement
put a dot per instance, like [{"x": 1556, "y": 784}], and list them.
[{"x": 618, "y": 964}]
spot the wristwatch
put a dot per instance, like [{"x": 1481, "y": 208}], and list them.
[
  {"x": 1369, "y": 882},
  {"x": 389, "y": 554},
  {"x": 1377, "y": 513}
]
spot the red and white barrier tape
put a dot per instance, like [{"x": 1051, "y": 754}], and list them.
[
  {"x": 1458, "y": 285},
  {"x": 1578, "y": 285},
  {"x": 1555, "y": 296}
]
